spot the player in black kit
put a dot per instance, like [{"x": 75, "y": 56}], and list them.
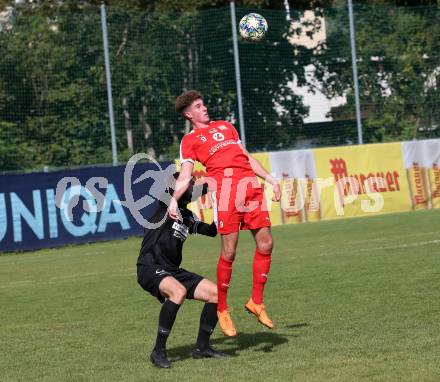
[{"x": 159, "y": 272}]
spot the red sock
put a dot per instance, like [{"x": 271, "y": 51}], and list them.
[
  {"x": 260, "y": 269},
  {"x": 224, "y": 272}
]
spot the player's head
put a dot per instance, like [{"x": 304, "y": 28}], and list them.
[
  {"x": 192, "y": 193},
  {"x": 192, "y": 107}
]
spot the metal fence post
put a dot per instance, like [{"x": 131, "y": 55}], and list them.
[
  {"x": 237, "y": 73},
  {"x": 109, "y": 84},
  {"x": 355, "y": 73}
]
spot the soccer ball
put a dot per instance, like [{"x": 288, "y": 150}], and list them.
[{"x": 253, "y": 27}]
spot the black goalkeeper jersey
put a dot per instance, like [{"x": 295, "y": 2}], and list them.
[{"x": 163, "y": 245}]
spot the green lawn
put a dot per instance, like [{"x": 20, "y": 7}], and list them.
[{"x": 354, "y": 299}]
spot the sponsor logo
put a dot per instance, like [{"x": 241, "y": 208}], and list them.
[
  {"x": 161, "y": 272},
  {"x": 218, "y": 146},
  {"x": 436, "y": 173},
  {"x": 180, "y": 231},
  {"x": 202, "y": 137},
  {"x": 362, "y": 183},
  {"x": 218, "y": 137}
]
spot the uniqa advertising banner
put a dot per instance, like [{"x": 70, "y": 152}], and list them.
[{"x": 76, "y": 206}]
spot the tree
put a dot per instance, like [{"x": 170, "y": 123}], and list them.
[
  {"x": 53, "y": 101},
  {"x": 398, "y": 70},
  {"x": 56, "y": 88}
]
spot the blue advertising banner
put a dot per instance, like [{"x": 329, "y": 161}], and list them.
[{"x": 84, "y": 205}]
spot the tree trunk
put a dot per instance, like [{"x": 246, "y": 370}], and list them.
[
  {"x": 128, "y": 130},
  {"x": 147, "y": 131}
]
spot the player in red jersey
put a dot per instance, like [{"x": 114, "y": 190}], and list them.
[{"x": 238, "y": 199}]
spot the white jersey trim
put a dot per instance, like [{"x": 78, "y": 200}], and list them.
[{"x": 186, "y": 160}]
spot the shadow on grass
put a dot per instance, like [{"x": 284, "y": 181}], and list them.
[
  {"x": 294, "y": 326},
  {"x": 261, "y": 342}
]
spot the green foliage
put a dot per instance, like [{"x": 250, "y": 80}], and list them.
[
  {"x": 398, "y": 61},
  {"x": 54, "y": 6},
  {"x": 53, "y": 72},
  {"x": 53, "y": 85},
  {"x": 155, "y": 56},
  {"x": 15, "y": 154}
]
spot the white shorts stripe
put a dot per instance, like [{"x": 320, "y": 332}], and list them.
[{"x": 214, "y": 207}]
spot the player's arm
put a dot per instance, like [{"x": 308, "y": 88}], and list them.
[
  {"x": 261, "y": 172},
  {"x": 198, "y": 226},
  {"x": 205, "y": 229},
  {"x": 182, "y": 184}
]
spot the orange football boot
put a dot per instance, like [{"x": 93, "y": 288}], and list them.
[
  {"x": 226, "y": 324},
  {"x": 260, "y": 312}
]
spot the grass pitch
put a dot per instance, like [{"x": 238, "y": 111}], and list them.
[{"x": 355, "y": 299}]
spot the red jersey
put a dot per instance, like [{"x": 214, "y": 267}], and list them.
[{"x": 217, "y": 148}]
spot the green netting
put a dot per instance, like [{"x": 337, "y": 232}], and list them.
[
  {"x": 52, "y": 93},
  {"x": 297, "y": 84},
  {"x": 398, "y": 70},
  {"x": 154, "y": 57}
]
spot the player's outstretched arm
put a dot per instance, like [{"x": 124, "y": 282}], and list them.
[
  {"x": 206, "y": 229},
  {"x": 197, "y": 226},
  {"x": 261, "y": 172}
]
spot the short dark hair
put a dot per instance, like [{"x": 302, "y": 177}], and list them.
[{"x": 186, "y": 99}]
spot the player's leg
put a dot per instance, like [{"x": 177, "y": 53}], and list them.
[
  {"x": 262, "y": 259},
  {"x": 175, "y": 293},
  {"x": 224, "y": 267},
  {"x": 228, "y": 220},
  {"x": 260, "y": 270},
  {"x": 258, "y": 221},
  {"x": 224, "y": 273},
  {"x": 206, "y": 291}
]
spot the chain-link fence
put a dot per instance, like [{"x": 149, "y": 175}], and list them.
[{"x": 297, "y": 84}]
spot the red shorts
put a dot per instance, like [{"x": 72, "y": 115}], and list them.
[{"x": 240, "y": 206}]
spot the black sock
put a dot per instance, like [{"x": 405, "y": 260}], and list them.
[
  {"x": 167, "y": 316},
  {"x": 208, "y": 320}
]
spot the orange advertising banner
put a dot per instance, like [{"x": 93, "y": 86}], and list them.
[
  {"x": 422, "y": 163},
  {"x": 346, "y": 181},
  {"x": 361, "y": 180}
]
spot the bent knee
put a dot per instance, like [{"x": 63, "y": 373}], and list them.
[
  {"x": 213, "y": 296},
  {"x": 178, "y": 295},
  {"x": 265, "y": 246},
  {"x": 228, "y": 254}
]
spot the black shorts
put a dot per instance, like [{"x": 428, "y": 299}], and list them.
[{"x": 150, "y": 276}]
